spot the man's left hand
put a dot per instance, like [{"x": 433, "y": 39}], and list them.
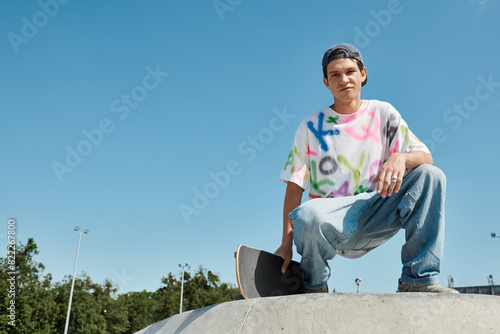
[{"x": 391, "y": 175}]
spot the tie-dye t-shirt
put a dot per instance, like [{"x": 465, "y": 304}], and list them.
[{"x": 338, "y": 155}]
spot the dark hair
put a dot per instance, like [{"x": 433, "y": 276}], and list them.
[{"x": 337, "y": 52}]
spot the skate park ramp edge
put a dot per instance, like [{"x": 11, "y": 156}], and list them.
[{"x": 342, "y": 313}]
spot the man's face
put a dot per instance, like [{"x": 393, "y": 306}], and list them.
[{"x": 344, "y": 79}]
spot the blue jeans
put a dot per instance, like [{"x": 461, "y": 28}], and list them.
[{"x": 352, "y": 226}]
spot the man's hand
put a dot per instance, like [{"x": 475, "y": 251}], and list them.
[
  {"x": 391, "y": 175},
  {"x": 286, "y": 252},
  {"x": 293, "y": 198}
]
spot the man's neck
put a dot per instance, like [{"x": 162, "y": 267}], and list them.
[{"x": 346, "y": 108}]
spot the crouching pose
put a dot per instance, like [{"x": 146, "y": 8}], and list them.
[{"x": 369, "y": 176}]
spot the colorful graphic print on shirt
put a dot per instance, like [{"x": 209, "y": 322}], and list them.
[{"x": 339, "y": 155}]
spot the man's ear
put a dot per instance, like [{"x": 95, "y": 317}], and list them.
[
  {"x": 325, "y": 81},
  {"x": 363, "y": 73}
]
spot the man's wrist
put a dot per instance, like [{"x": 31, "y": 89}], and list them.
[
  {"x": 403, "y": 157},
  {"x": 287, "y": 239}
]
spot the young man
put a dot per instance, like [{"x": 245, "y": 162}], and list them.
[{"x": 369, "y": 176}]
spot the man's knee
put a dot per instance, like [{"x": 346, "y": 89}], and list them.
[
  {"x": 431, "y": 173},
  {"x": 304, "y": 218}
]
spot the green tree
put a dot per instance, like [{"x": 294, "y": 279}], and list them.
[
  {"x": 41, "y": 305},
  {"x": 203, "y": 288},
  {"x": 140, "y": 306},
  {"x": 114, "y": 308},
  {"x": 168, "y": 297},
  {"x": 87, "y": 315},
  {"x": 35, "y": 306}
]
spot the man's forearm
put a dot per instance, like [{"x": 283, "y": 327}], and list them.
[
  {"x": 417, "y": 158},
  {"x": 293, "y": 198}
]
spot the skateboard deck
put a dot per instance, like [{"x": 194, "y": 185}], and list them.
[{"x": 259, "y": 274}]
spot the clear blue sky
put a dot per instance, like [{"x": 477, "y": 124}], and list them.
[{"x": 172, "y": 93}]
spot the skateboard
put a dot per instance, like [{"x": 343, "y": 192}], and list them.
[{"x": 259, "y": 274}]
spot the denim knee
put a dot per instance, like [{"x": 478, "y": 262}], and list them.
[
  {"x": 305, "y": 212},
  {"x": 304, "y": 219},
  {"x": 431, "y": 173},
  {"x": 425, "y": 190}
]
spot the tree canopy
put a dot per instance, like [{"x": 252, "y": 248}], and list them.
[{"x": 41, "y": 304}]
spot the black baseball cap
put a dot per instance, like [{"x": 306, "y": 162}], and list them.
[{"x": 351, "y": 52}]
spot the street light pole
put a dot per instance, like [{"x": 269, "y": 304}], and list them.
[
  {"x": 490, "y": 281},
  {"x": 74, "y": 273},
  {"x": 182, "y": 285},
  {"x": 451, "y": 281},
  {"x": 358, "y": 283}
]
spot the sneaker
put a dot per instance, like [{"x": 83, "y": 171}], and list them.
[
  {"x": 324, "y": 289},
  {"x": 403, "y": 287}
]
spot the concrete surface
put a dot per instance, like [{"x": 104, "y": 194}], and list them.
[{"x": 342, "y": 313}]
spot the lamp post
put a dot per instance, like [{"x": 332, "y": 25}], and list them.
[
  {"x": 451, "y": 281},
  {"x": 490, "y": 281},
  {"x": 182, "y": 285},
  {"x": 493, "y": 235},
  {"x": 358, "y": 283},
  {"x": 74, "y": 273}
]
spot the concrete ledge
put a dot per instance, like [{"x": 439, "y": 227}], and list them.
[{"x": 342, "y": 313}]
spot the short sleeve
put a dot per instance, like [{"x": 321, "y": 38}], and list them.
[
  {"x": 297, "y": 166},
  {"x": 401, "y": 139}
]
